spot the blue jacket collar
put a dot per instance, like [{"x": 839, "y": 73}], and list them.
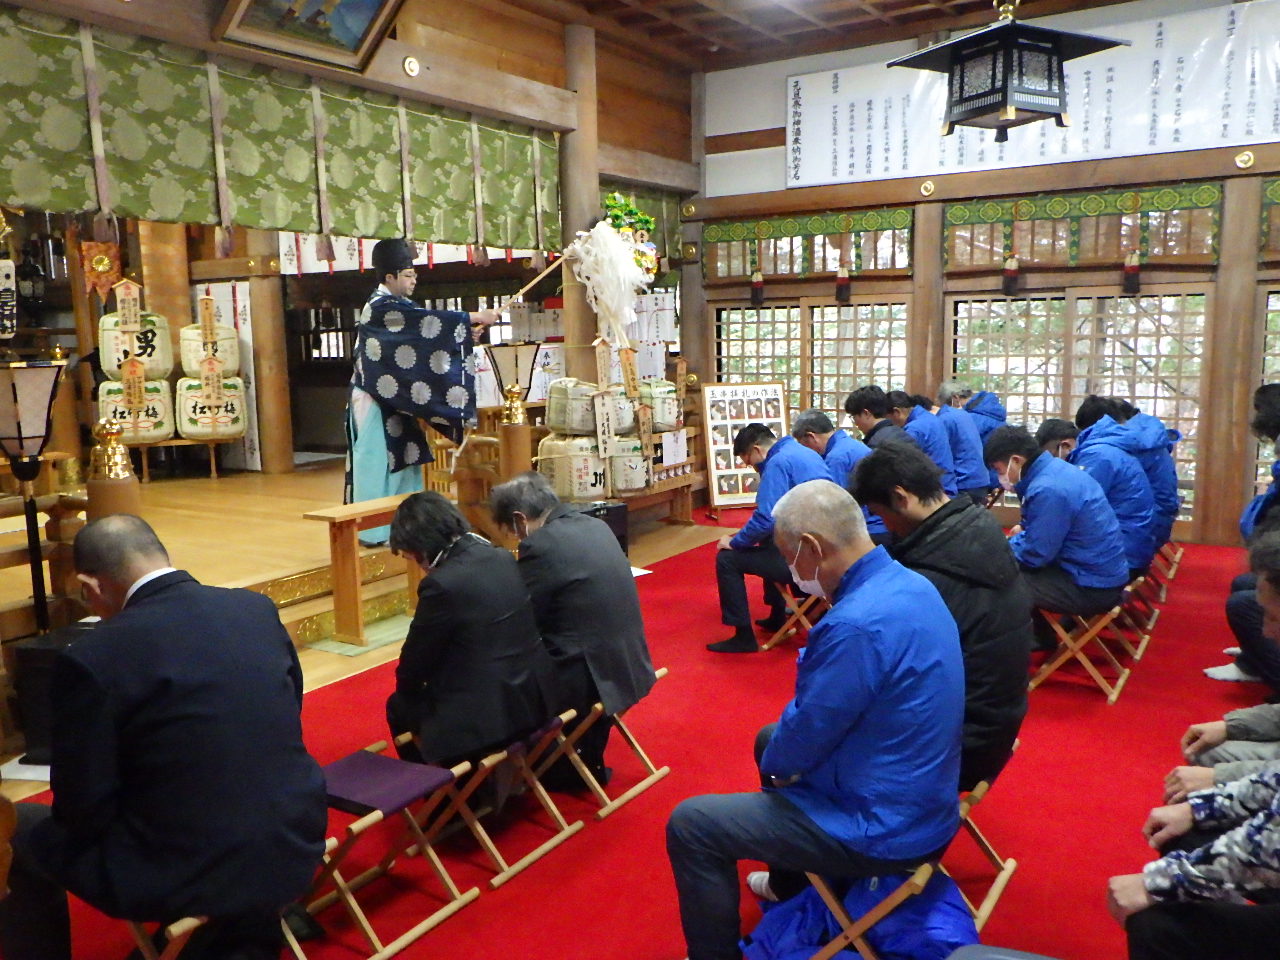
[
  {"x": 1028, "y": 471},
  {"x": 778, "y": 445},
  {"x": 862, "y": 570}
]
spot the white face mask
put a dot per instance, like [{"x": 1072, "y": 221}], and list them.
[
  {"x": 811, "y": 587},
  {"x": 1007, "y": 482}
]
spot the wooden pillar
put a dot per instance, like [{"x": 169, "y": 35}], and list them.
[
  {"x": 166, "y": 276},
  {"x": 515, "y": 453},
  {"x": 86, "y": 316},
  {"x": 926, "y": 331},
  {"x": 270, "y": 357},
  {"x": 695, "y": 321},
  {"x": 1224, "y": 471},
  {"x": 579, "y": 194}
]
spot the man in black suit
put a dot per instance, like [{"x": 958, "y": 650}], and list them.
[
  {"x": 181, "y": 785},
  {"x": 473, "y": 673},
  {"x": 585, "y": 601}
]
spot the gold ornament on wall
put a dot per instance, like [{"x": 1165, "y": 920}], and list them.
[
  {"x": 1245, "y": 159},
  {"x": 688, "y": 210},
  {"x": 927, "y": 188}
]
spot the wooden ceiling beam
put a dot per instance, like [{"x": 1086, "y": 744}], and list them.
[
  {"x": 850, "y": 36},
  {"x": 567, "y": 12},
  {"x": 727, "y": 11},
  {"x": 681, "y": 22}
]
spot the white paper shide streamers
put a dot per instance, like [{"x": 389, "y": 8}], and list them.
[{"x": 605, "y": 262}]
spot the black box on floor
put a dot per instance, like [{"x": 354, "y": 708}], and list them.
[
  {"x": 612, "y": 512},
  {"x": 33, "y": 660}
]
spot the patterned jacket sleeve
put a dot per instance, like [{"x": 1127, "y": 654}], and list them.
[{"x": 1244, "y": 859}]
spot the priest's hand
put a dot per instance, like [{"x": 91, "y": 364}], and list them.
[{"x": 481, "y": 320}]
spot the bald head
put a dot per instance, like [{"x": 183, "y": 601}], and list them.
[{"x": 117, "y": 547}]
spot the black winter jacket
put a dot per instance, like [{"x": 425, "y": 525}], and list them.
[{"x": 962, "y": 551}]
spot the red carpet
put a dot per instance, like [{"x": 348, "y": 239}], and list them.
[{"x": 1069, "y": 807}]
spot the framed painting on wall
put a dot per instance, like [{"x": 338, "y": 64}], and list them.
[
  {"x": 341, "y": 32},
  {"x": 726, "y": 409}
]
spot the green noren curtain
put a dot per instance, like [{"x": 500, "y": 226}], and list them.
[
  {"x": 269, "y": 144},
  {"x": 157, "y": 129},
  {"x": 549, "y": 200},
  {"x": 507, "y": 187},
  {"x": 442, "y": 176},
  {"x": 48, "y": 160},
  {"x": 362, "y": 160}
]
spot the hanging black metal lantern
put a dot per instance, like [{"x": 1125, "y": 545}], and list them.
[{"x": 1007, "y": 74}]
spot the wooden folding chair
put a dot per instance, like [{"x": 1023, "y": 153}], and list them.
[
  {"x": 1071, "y": 644},
  {"x": 523, "y": 756},
  {"x": 176, "y": 936},
  {"x": 1004, "y": 868},
  {"x": 375, "y": 786},
  {"x": 566, "y": 746},
  {"x": 853, "y": 932},
  {"x": 1136, "y": 617},
  {"x": 803, "y": 615}
]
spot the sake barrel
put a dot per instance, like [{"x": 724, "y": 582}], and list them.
[
  {"x": 200, "y": 420},
  {"x": 191, "y": 349},
  {"x": 569, "y": 406},
  {"x": 661, "y": 396},
  {"x": 153, "y": 423},
  {"x": 150, "y": 343},
  {"x": 624, "y": 411},
  {"x": 572, "y": 466},
  {"x": 626, "y": 466}
]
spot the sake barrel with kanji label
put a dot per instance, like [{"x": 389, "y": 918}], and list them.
[
  {"x": 150, "y": 343},
  {"x": 150, "y": 424},
  {"x": 569, "y": 406},
  {"x": 661, "y": 396},
  {"x": 202, "y": 419},
  {"x": 573, "y": 467},
  {"x": 627, "y": 472},
  {"x": 192, "y": 349}
]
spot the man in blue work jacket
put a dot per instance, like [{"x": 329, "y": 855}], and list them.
[
  {"x": 1151, "y": 443},
  {"x": 861, "y": 769},
  {"x": 972, "y": 477},
  {"x": 841, "y": 453},
  {"x": 782, "y": 464},
  {"x": 988, "y": 414},
  {"x": 1100, "y": 452},
  {"x": 1068, "y": 542},
  {"x": 928, "y": 432},
  {"x": 868, "y": 407}
]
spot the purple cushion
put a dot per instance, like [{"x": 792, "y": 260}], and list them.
[{"x": 367, "y": 781}]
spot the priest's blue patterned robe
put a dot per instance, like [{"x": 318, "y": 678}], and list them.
[{"x": 411, "y": 364}]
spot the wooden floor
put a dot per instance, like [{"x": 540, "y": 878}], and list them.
[{"x": 249, "y": 526}]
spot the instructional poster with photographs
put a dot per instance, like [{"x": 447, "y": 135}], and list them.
[{"x": 726, "y": 409}]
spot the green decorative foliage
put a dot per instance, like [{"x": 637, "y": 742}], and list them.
[
  {"x": 47, "y": 162},
  {"x": 157, "y": 127},
  {"x": 661, "y": 207},
  {"x": 269, "y": 144}
]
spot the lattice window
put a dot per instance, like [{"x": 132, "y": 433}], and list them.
[
  {"x": 761, "y": 344},
  {"x": 1270, "y": 374},
  {"x": 1016, "y": 349},
  {"x": 1271, "y": 220},
  {"x": 854, "y": 344},
  {"x": 1149, "y": 350}
]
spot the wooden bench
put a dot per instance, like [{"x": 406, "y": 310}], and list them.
[{"x": 345, "y": 523}]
